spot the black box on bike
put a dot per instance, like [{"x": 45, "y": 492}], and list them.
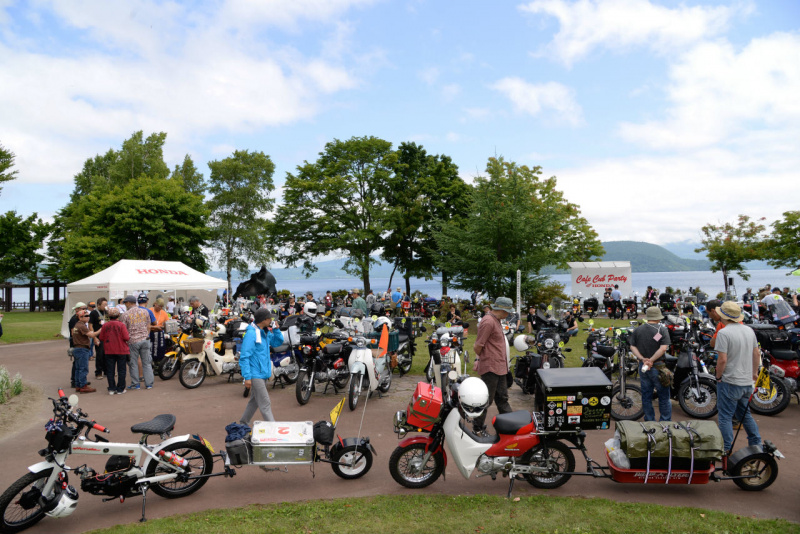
[{"x": 573, "y": 398}]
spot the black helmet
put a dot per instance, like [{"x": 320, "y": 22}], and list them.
[{"x": 377, "y": 309}]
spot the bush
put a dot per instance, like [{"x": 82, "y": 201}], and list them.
[{"x": 8, "y": 387}]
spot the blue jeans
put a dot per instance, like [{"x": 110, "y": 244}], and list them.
[
  {"x": 730, "y": 399},
  {"x": 81, "y": 356},
  {"x": 648, "y": 381}
]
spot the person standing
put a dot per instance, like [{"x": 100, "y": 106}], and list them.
[
  {"x": 358, "y": 302},
  {"x": 77, "y": 309},
  {"x": 171, "y": 305},
  {"x": 198, "y": 308},
  {"x": 157, "y": 340},
  {"x": 113, "y": 336},
  {"x": 98, "y": 316},
  {"x": 80, "y": 339},
  {"x": 616, "y": 296},
  {"x": 138, "y": 321},
  {"x": 738, "y": 360},
  {"x": 328, "y": 300},
  {"x": 711, "y": 310},
  {"x": 492, "y": 362},
  {"x": 649, "y": 342},
  {"x": 256, "y": 364},
  {"x": 397, "y": 298},
  {"x": 370, "y": 299},
  {"x": 748, "y": 297}
]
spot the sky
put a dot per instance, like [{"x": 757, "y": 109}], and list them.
[{"x": 656, "y": 117}]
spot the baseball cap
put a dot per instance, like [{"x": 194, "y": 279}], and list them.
[
  {"x": 79, "y": 305},
  {"x": 129, "y": 298}
]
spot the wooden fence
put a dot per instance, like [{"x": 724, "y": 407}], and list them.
[{"x": 51, "y": 298}]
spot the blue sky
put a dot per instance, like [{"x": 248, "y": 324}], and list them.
[{"x": 657, "y": 117}]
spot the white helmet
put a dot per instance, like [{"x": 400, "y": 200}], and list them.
[
  {"x": 65, "y": 503},
  {"x": 520, "y": 343},
  {"x": 186, "y": 309},
  {"x": 473, "y": 396},
  {"x": 380, "y": 322},
  {"x": 310, "y": 309}
]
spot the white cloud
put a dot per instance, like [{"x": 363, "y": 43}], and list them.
[
  {"x": 619, "y": 24},
  {"x": 717, "y": 95},
  {"x": 533, "y": 99},
  {"x": 429, "y": 75},
  {"x": 450, "y": 91}
]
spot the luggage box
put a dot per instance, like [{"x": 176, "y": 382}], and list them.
[
  {"x": 282, "y": 443},
  {"x": 770, "y": 337},
  {"x": 171, "y": 327},
  {"x": 240, "y": 451},
  {"x": 426, "y": 403},
  {"x": 574, "y": 398}
]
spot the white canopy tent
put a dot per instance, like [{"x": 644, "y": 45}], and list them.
[
  {"x": 168, "y": 278},
  {"x": 591, "y": 277}
]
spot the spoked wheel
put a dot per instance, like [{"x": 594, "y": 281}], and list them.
[
  {"x": 19, "y": 505},
  {"x": 358, "y": 460},
  {"x": 386, "y": 381},
  {"x": 169, "y": 367},
  {"x": 772, "y": 400},
  {"x": 200, "y": 463},
  {"x": 356, "y": 383},
  {"x": 404, "y": 361},
  {"x": 555, "y": 362},
  {"x": 341, "y": 379},
  {"x": 302, "y": 388},
  {"x": 193, "y": 372},
  {"x": 556, "y": 457},
  {"x": 292, "y": 371},
  {"x": 699, "y": 402},
  {"x": 407, "y": 469},
  {"x": 761, "y": 470},
  {"x": 629, "y": 407}
]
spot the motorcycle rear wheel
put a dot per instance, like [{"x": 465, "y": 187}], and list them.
[
  {"x": 193, "y": 373},
  {"x": 15, "y": 517},
  {"x": 293, "y": 370},
  {"x": 169, "y": 367},
  {"x": 361, "y": 459},
  {"x": 356, "y": 383},
  {"x": 401, "y": 469},
  {"x": 629, "y": 408},
  {"x": 772, "y": 401},
  {"x": 558, "y": 457},
  {"x": 702, "y": 407},
  {"x": 200, "y": 463},
  {"x": 386, "y": 383},
  {"x": 302, "y": 388},
  {"x": 762, "y": 467}
]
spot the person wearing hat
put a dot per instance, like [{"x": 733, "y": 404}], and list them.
[
  {"x": 738, "y": 360},
  {"x": 711, "y": 309},
  {"x": 397, "y": 298},
  {"x": 80, "y": 336},
  {"x": 649, "y": 342},
  {"x": 79, "y": 307},
  {"x": 358, "y": 302},
  {"x": 491, "y": 360},
  {"x": 772, "y": 298},
  {"x": 139, "y": 321},
  {"x": 256, "y": 365}
]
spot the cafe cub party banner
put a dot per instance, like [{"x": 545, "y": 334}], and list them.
[{"x": 590, "y": 277}]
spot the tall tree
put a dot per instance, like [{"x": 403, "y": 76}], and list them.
[
  {"x": 240, "y": 186},
  {"x": 782, "y": 248},
  {"x": 517, "y": 220},
  {"x": 20, "y": 241},
  {"x": 6, "y": 162},
  {"x": 729, "y": 246},
  {"x": 337, "y": 204},
  {"x": 193, "y": 180}
]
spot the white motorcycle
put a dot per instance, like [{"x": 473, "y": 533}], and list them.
[
  {"x": 376, "y": 371},
  {"x": 209, "y": 360},
  {"x": 176, "y": 467}
]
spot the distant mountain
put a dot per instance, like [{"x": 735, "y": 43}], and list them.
[
  {"x": 647, "y": 257},
  {"x": 685, "y": 249}
]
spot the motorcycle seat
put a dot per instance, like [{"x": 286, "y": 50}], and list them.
[
  {"x": 332, "y": 348},
  {"x": 160, "y": 424},
  {"x": 670, "y": 360},
  {"x": 510, "y": 423},
  {"x": 604, "y": 351},
  {"x": 487, "y": 440},
  {"x": 280, "y": 349},
  {"x": 785, "y": 355},
  {"x": 402, "y": 338}
]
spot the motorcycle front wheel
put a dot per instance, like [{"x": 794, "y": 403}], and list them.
[
  {"x": 292, "y": 370},
  {"x": 169, "y": 367},
  {"x": 193, "y": 373},
  {"x": 702, "y": 405},
  {"x": 19, "y": 505},
  {"x": 200, "y": 463},
  {"x": 356, "y": 382},
  {"x": 358, "y": 460},
  {"x": 302, "y": 389},
  {"x": 771, "y": 401},
  {"x": 629, "y": 407},
  {"x": 761, "y": 470},
  {"x": 555, "y": 456},
  {"x": 404, "y": 360},
  {"x": 405, "y": 466}
]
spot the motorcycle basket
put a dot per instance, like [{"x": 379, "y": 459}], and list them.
[{"x": 194, "y": 345}]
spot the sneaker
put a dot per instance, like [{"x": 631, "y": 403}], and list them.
[
  {"x": 121, "y": 392},
  {"x": 134, "y": 386},
  {"x": 149, "y": 387},
  {"x": 86, "y": 389},
  {"x": 112, "y": 392},
  {"x": 736, "y": 425},
  {"x": 98, "y": 376}
]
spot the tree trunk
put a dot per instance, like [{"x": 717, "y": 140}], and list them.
[
  {"x": 725, "y": 279},
  {"x": 408, "y": 285},
  {"x": 365, "y": 278},
  {"x": 445, "y": 281},
  {"x": 391, "y": 277}
]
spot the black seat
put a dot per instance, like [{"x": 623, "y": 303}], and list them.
[
  {"x": 278, "y": 350},
  {"x": 510, "y": 423},
  {"x": 332, "y": 348},
  {"x": 785, "y": 355},
  {"x": 488, "y": 440},
  {"x": 604, "y": 351},
  {"x": 402, "y": 338},
  {"x": 160, "y": 424}
]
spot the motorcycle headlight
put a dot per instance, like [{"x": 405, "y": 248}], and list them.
[
  {"x": 361, "y": 342},
  {"x": 549, "y": 343}
]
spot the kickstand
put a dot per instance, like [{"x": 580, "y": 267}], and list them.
[
  {"x": 510, "y": 485},
  {"x": 145, "y": 487}
]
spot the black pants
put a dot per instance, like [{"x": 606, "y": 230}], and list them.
[
  {"x": 498, "y": 393},
  {"x": 99, "y": 359}
]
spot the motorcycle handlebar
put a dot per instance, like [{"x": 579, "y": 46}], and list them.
[{"x": 100, "y": 428}]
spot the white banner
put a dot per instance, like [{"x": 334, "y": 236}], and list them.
[{"x": 589, "y": 278}]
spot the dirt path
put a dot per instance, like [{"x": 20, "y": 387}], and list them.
[{"x": 207, "y": 409}]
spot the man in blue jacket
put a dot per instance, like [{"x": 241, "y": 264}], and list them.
[{"x": 256, "y": 364}]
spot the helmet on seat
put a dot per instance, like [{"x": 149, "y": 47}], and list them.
[
  {"x": 380, "y": 322},
  {"x": 520, "y": 343},
  {"x": 377, "y": 309},
  {"x": 473, "y": 397},
  {"x": 310, "y": 309}
]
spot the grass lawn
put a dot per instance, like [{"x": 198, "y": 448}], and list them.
[
  {"x": 23, "y": 326},
  {"x": 482, "y": 514}
]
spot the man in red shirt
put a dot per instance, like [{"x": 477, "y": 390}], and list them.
[{"x": 492, "y": 361}]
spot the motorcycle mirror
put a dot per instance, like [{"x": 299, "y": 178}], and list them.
[
  {"x": 567, "y": 349},
  {"x": 579, "y": 318},
  {"x": 338, "y": 323},
  {"x": 73, "y": 400},
  {"x": 423, "y": 328}
]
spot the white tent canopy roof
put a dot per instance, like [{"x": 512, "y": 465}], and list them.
[
  {"x": 132, "y": 275},
  {"x": 597, "y": 264}
]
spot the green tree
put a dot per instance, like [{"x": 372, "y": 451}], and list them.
[
  {"x": 6, "y": 162},
  {"x": 193, "y": 180},
  {"x": 517, "y": 220},
  {"x": 729, "y": 246},
  {"x": 240, "y": 186},
  {"x": 20, "y": 241},
  {"x": 782, "y": 247},
  {"x": 424, "y": 192},
  {"x": 337, "y": 204}
]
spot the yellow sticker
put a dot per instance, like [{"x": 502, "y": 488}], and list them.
[
  {"x": 447, "y": 324},
  {"x": 550, "y": 307},
  {"x": 618, "y": 332},
  {"x": 593, "y": 401},
  {"x": 207, "y": 444},
  {"x": 561, "y": 344},
  {"x": 556, "y": 399},
  {"x": 336, "y": 412},
  {"x": 403, "y": 320},
  {"x": 374, "y": 317}
]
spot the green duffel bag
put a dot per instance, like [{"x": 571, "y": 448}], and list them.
[{"x": 702, "y": 436}]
